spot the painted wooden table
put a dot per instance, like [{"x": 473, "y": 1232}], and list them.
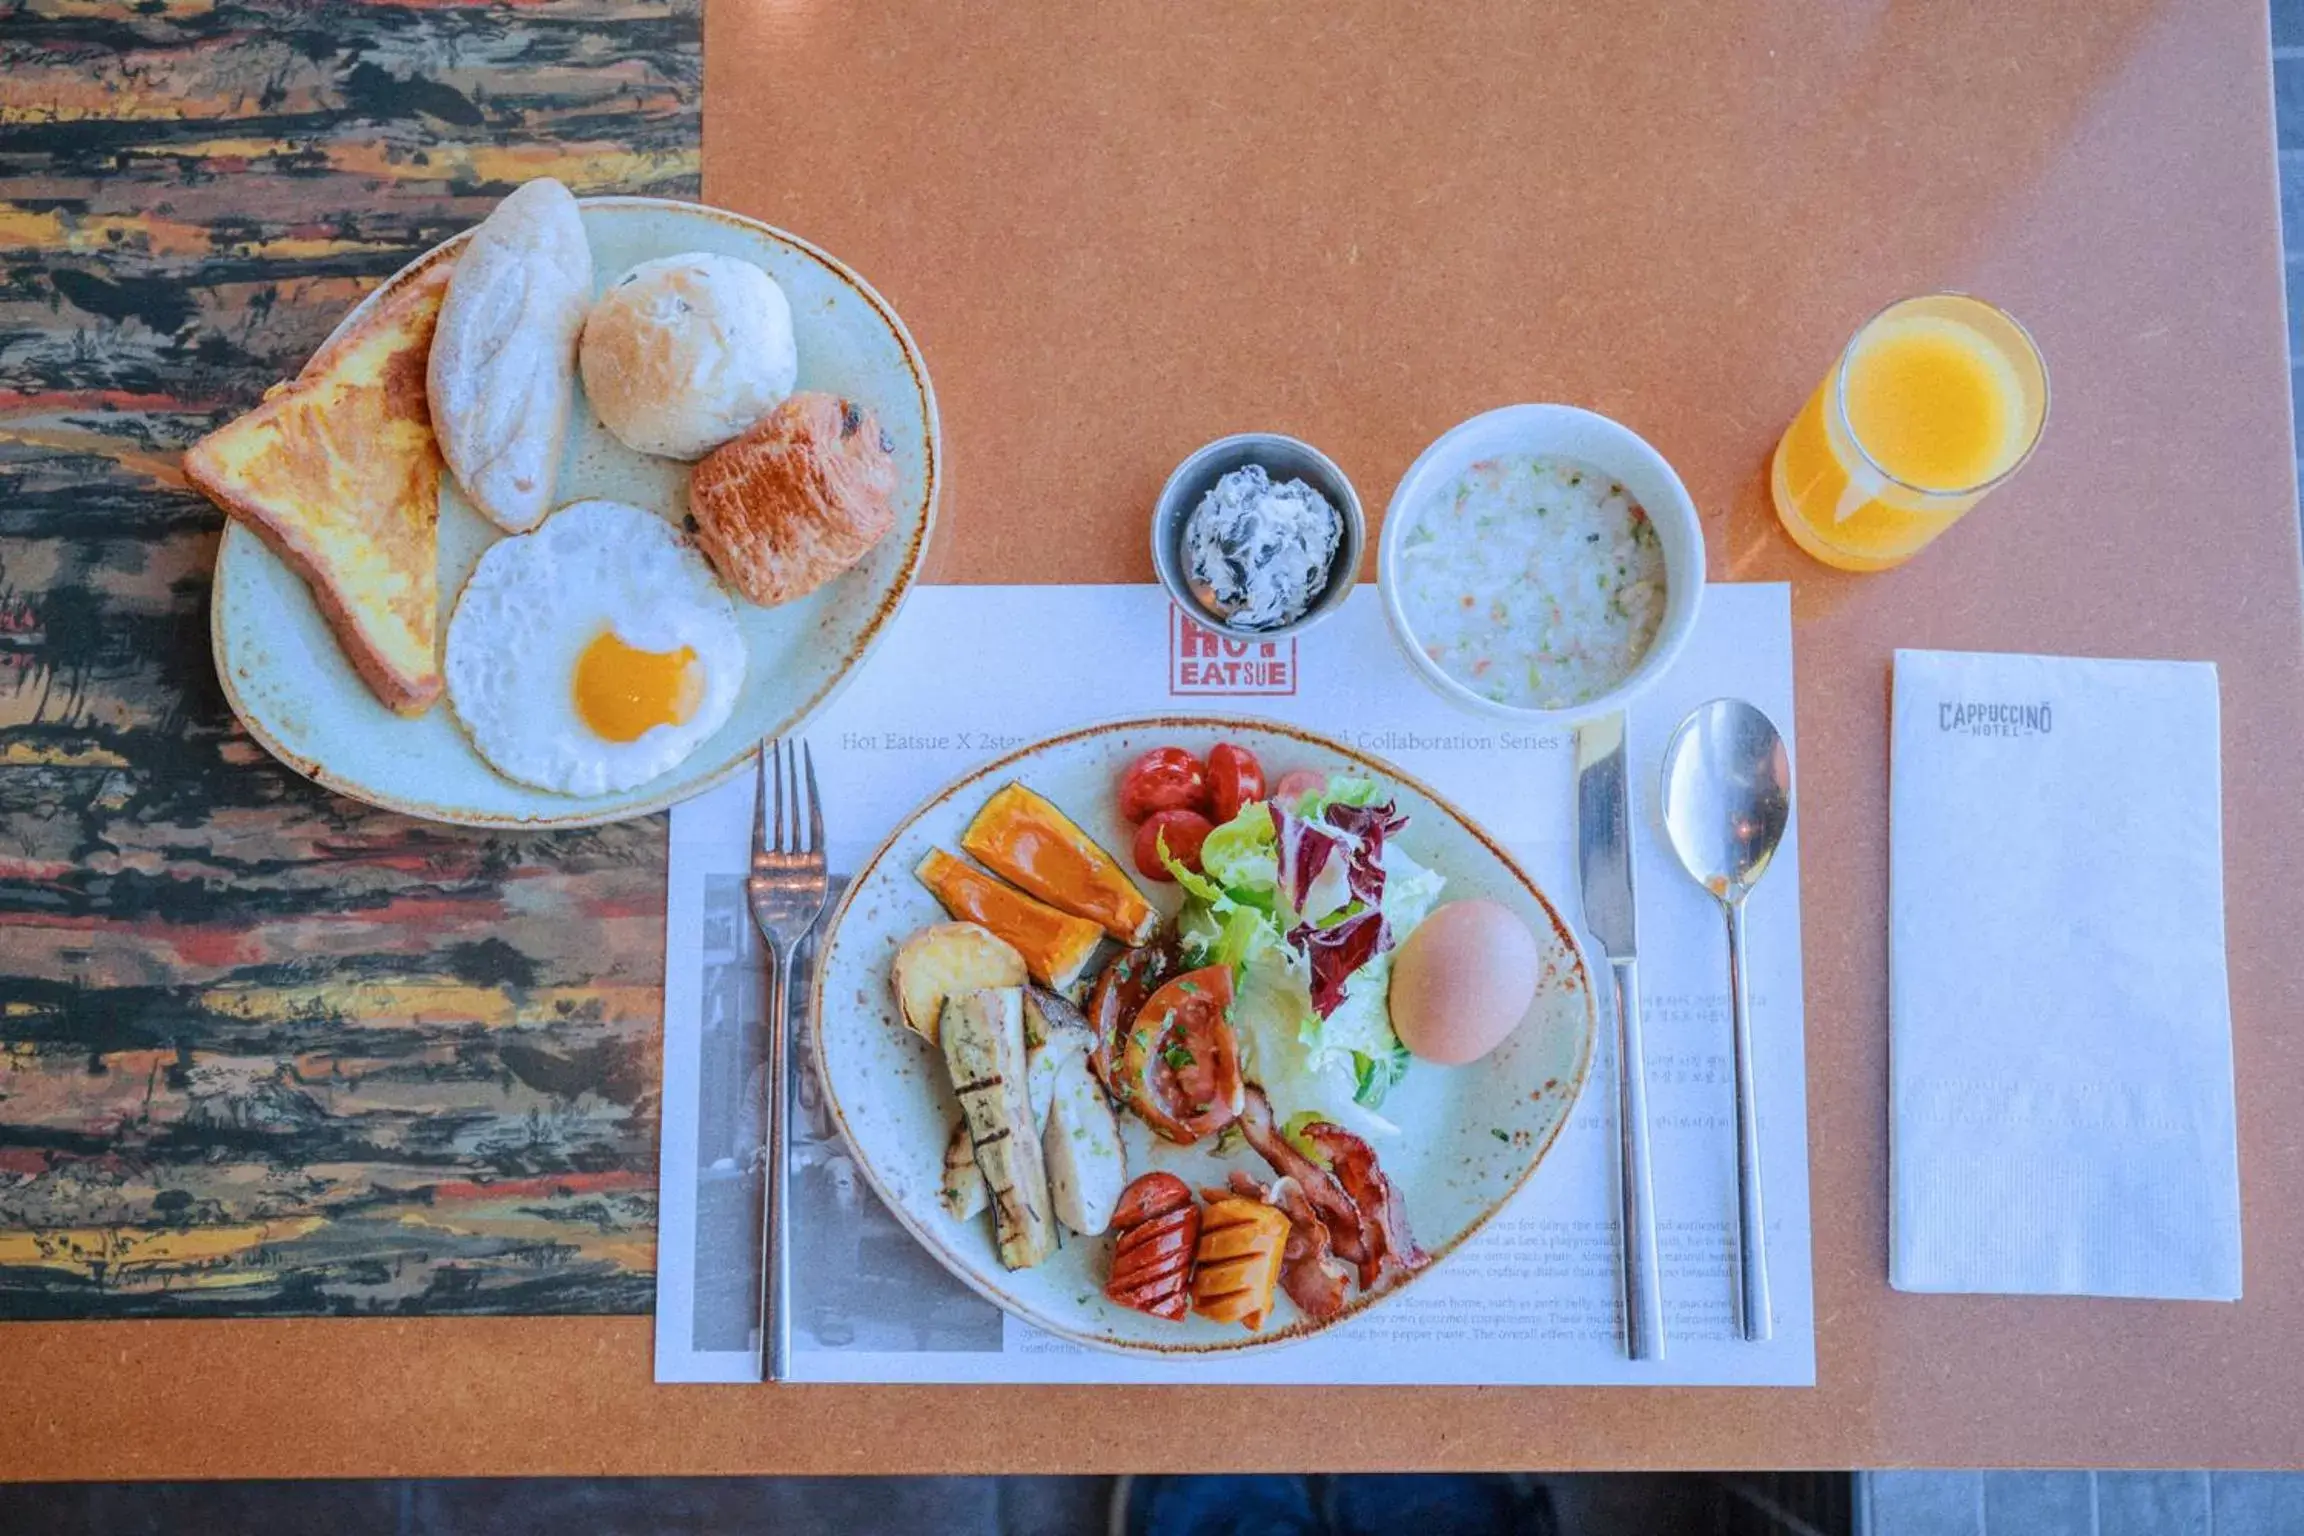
[
  {"x": 268, "y": 1052},
  {"x": 264, "y": 1050}
]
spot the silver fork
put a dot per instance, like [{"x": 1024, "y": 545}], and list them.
[{"x": 787, "y": 888}]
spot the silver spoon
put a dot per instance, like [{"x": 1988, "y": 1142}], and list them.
[{"x": 1727, "y": 796}]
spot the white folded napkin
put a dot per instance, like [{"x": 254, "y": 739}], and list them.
[{"x": 2060, "y": 1034}]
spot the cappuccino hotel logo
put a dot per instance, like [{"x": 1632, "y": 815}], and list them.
[
  {"x": 1967, "y": 719},
  {"x": 1202, "y": 663}
]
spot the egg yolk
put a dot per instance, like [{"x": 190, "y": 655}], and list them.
[{"x": 623, "y": 692}]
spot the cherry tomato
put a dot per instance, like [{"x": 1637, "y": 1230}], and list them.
[
  {"x": 1184, "y": 832},
  {"x": 1295, "y": 784},
  {"x": 1235, "y": 779},
  {"x": 1163, "y": 779}
]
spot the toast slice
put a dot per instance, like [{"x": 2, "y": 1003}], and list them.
[{"x": 338, "y": 472}]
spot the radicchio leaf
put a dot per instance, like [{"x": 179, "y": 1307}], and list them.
[
  {"x": 1371, "y": 821},
  {"x": 1305, "y": 851},
  {"x": 1367, "y": 826},
  {"x": 1336, "y": 952}
]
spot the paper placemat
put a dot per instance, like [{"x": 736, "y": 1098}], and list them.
[{"x": 970, "y": 672}]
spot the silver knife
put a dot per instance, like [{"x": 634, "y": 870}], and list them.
[{"x": 1604, "y": 869}]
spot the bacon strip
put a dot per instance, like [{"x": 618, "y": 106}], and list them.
[
  {"x": 1321, "y": 1190},
  {"x": 1309, "y": 1272},
  {"x": 1391, "y": 1247}
]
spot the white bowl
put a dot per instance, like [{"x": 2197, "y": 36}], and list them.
[{"x": 1567, "y": 432}]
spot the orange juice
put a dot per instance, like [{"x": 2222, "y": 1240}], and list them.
[{"x": 1935, "y": 401}]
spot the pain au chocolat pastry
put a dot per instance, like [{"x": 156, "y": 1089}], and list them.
[{"x": 796, "y": 500}]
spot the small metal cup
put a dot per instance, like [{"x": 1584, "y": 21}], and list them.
[{"x": 1283, "y": 458}]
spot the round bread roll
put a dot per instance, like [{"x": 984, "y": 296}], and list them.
[{"x": 685, "y": 352}]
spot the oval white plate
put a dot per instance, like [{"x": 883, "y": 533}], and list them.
[
  {"x": 289, "y": 682},
  {"x": 1470, "y": 1135}
]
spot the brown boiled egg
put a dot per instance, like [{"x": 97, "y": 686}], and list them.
[{"x": 1462, "y": 981}]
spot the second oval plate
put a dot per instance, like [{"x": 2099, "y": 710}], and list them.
[
  {"x": 287, "y": 678},
  {"x": 1470, "y": 1136}
]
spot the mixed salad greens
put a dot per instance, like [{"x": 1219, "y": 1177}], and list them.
[{"x": 1307, "y": 903}]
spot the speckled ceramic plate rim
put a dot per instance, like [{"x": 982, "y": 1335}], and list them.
[
  {"x": 1302, "y": 1328},
  {"x": 240, "y": 543}
]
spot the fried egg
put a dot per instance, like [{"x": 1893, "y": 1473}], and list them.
[{"x": 593, "y": 654}]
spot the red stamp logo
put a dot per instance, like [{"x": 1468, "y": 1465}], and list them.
[{"x": 1202, "y": 662}]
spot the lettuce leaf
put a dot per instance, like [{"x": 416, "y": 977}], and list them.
[
  {"x": 1340, "y": 1067},
  {"x": 1229, "y": 934},
  {"x": 1242, "y": 856},
  {"x": 1202, "y": 891},
  {"x": 1410, "y": 892},
  {"x": 1339, "y": 791},
  {"x": 1360, "y": 1025},
  {"x": 1272, "y": 1014},
  {"x": 1376, "y": 1076}
]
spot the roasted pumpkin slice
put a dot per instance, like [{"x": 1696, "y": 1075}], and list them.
[
  {"x": 1056, "y": 946},
  {"x": 1021, "y": 835}
]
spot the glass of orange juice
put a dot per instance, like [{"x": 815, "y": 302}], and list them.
[{"x": 1935, "y": 401}]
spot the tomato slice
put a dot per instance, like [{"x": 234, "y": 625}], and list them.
[
  {"x": 1181, "y": 1060},
  {"x": 1121, "y": 993},
  {"x": 1163, "y": 779},
  {"x": 1235, "y": 779}
]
